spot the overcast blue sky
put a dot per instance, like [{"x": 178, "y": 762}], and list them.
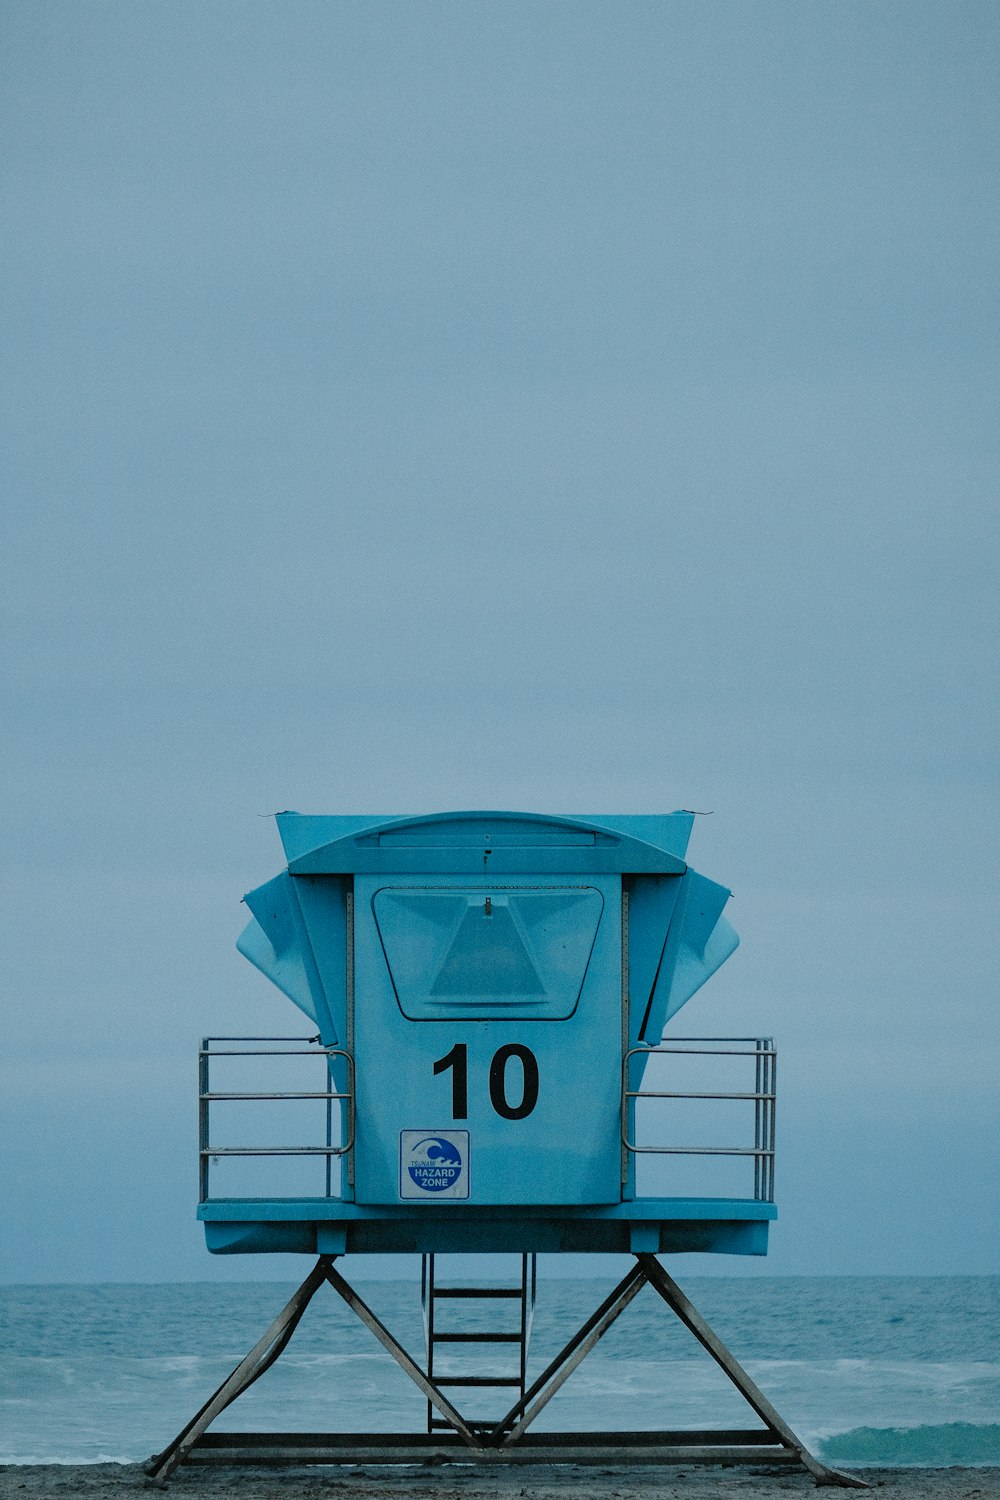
[{"x": 559, "y": 406}]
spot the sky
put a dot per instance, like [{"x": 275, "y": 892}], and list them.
[{"x": 553, "y": 406}]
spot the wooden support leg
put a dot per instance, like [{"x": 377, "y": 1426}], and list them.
[
  {"x": 261, "y": 1357},
  {"x": 267, "y": 1349},
  {"x": 510, "y": 1427},
  {"x": 399, "y": 1354},
  {"x": 692, "y": 1320}
]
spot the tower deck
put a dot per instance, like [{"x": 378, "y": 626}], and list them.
[{"x": 333, "y": 1222}]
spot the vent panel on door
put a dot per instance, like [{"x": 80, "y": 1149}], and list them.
[{"x": 487, "y": 952}]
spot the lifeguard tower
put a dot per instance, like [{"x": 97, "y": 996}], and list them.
[{"x": 488, "y": 994}]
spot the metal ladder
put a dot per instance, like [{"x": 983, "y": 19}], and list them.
[{"x": 432, "y": 1293}]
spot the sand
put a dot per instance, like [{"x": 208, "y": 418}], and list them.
[{"x": 464, "y": 1482}]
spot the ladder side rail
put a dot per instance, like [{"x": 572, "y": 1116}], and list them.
[
  {"x": 529, "y": 1282},
  {"x": 427, "y": 1293}
]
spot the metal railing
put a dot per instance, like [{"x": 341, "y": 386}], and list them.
[
  {"x": 762, "y": 1096},
  {"x": 292, "y": 1046},
  {"x": 340, "y": 1102}
]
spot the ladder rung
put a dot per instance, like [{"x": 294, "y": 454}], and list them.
[
  {"x": 477, "y": 1338},
  {"x": 477, "y": 1291},
  {"x": 477, "y": 1380}
]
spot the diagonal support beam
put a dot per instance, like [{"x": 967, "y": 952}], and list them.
[
  {"x": 689, "y": 1315},
  {"x": 399, "y": 1354},
  {"x": 510, "y": 1427},
  {"x": 261, "y": 1358}
]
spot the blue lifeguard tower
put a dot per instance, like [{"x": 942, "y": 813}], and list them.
[{"x": 488, "y": 994}]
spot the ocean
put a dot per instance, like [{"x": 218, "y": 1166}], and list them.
[{"x": 873, "y": 1370}]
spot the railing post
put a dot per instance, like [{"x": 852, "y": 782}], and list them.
[
  {"x": 772, "y": 1110},
  {"x": 328, "y": 1160},
  {"x": 758, "y": 1123},
  {"x": 203, "y": 1091}
]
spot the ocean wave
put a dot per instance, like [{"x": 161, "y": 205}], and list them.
[
  {"x": 931, "y": 1446},
  {"x": 34, "y": 1459}
]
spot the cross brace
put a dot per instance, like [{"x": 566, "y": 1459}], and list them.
[{"x": 506, "y": 1441}]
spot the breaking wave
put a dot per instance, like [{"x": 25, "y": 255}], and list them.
[{"x": 932, "y": 1446}]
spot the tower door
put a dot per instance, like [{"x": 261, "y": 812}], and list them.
[{"x": 487, "y": 1040}]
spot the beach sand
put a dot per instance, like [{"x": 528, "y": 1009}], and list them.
[{"x": 464, "y": 1482}]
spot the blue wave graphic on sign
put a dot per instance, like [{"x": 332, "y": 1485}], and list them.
[{"x": 434, "y": 1164}]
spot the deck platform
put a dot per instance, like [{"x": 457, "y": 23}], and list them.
[
  {"x": 330, "y": 1226},
  {"x": 713, "y": 1446}
]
